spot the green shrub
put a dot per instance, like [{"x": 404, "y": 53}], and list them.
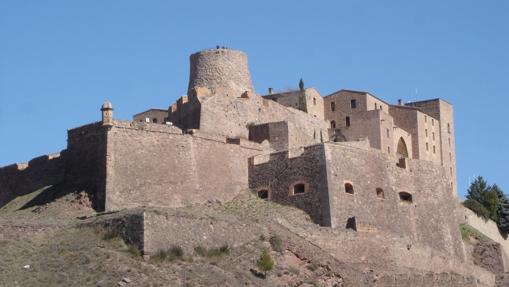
[
  {"x": 133, "y": 250},
  {"x": 172, "y": 254},
  {"x": 468, "y": 232},
  {"x": 213, "y": 252},
  {"x": 477, "y": 208},
  {"x": 265, "y": 262},
  {"x": 276, "y": 243},
  {"x": 200, "y": 250}
]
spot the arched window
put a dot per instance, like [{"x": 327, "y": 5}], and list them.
[
  {"x": 402, "y": 149},
  {"x": 380, "y": 193},
  {"x": 351, "y": 223},
  {"x": 405, "y": 197},
  {"x": 263, "y": 194},
  {"x": 333, "y": 124},
  {"x": 348, "y": 188}
]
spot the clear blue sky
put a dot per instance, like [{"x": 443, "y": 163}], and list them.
[{"x": 59, "y": 60}]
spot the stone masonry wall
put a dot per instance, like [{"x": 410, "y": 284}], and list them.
[
  {"x": 279, "y": 172},
  {"x": 23, "y": 178},
  {"x": 488, "y": 228},
  {"x": 155, "y": 165},
  {"x": 231, "y": 116},
  {"x": 426, "y": 219},
  {"x": 85, "y": 167}
]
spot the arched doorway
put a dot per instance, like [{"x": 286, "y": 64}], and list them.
[{"x": 402, "y": 149}]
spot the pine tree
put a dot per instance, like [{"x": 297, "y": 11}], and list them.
[
  {"x": 482, "y": 193},
  {"x": 477, "y": 189},
  {"x": 502, "y": 209}
]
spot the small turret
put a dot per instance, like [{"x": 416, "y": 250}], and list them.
[{"x": 107, "y": 113}]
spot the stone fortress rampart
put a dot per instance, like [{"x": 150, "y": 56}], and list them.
[{"x": 382, "y": 173}]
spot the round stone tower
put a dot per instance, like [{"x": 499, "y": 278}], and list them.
[{"x": 221, "y": 70}]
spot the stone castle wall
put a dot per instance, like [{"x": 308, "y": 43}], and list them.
[
  {"x": 326, "y": 168},
  {"x": 426, "y": 219},
  {"x": 155, "y": 165},
  {"x": 279, "y": 172},
  {"x": 80, "y": 167},
  {"x": 232, "y": 116},
  {"x": 23, "y": 178},
  {"x": 85, "y": 168},
  {"x": 488, "y": 228}
]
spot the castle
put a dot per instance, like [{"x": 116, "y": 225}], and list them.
[{"x": 349, "y": 159}]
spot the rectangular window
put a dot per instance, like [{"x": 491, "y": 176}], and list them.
[
  {"x": 426, "y": 132},
  {"x": 434, "y": 150},
  {"x": 388, "y": 133},
  {"x": 433, "y": 135},
  {"x": 389, "y": 150},
  {"x": 427, "y": 146},
  {"x": 347, "y": 121},
  {"x": 448, "y": 128},
  {"x": 332, "y": 106},
  {"x": 432, "y": 122},
  {"x": 353, "y": 104}
]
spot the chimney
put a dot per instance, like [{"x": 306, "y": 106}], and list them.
[
  {"x": 270, "y": 91},
  {"x": 400, "y": 102}
]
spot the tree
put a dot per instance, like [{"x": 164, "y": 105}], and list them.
[
  {"x": 477, "y": 208},
  {"x": 488, "y": 201},
  {"x": 265, "y": 262},
  {"x": 477, "y": 189},
  {"x": 502, "y": 209},
  {"x": 484, "y": 194}
]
